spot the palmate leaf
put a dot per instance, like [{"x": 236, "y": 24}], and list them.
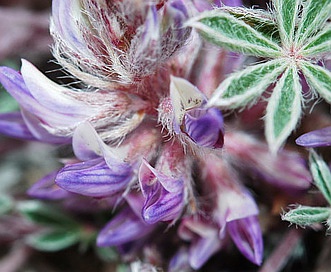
[
  {"x": 318, "y": 78},
  {"x": 286, "y": 13},
  {"x": 224, "y": 29},
  {"x": 314, "y": 15},
  {"x": 305, "y": 215},
  {"x": 241, "y": 88},
  {"x": 259, "y": 19},
  {"x": 318, "y": 45},
  {"x": 284, "y": 109},
  {"x": 321, "y": 175}
]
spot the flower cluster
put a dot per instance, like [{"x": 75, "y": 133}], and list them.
[{"x": 146, "y": 141}]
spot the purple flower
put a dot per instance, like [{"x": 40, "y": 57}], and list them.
[
  {"x": 235, "y": 210},
  {"x": 166, "y": 186},
  {"x": 123, "y": 228},
  {"x": 47, "y": 189},
  {"x": 102, "y": 173},
  {"x": 204, "y": 238},
  {"x": 286, "y": 170},
  {"x": 316, "y": 138},
  {"x": 186, "y": 116},
  {"x": 50, "y": 109},
  {"x": 165, "y": 195},
  {"x": 247, "y": 236},
  {"x": 116, "y": 43}
]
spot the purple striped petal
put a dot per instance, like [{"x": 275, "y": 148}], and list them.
[
  {"x": 205, "y": 127},
  {"x": 316, "y": 138},
  {"x": 47, "y": 189},
  {"x": 164, "y": 195},
  {"x": 125, "y": 227},
  {"x": 94, "y": 178},
  {"x": 12, "y": 125},
  {"x": 247, "y": 235}
]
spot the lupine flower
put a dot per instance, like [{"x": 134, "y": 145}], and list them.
[
  {"x": 101, "y": 172},
  {"x": 233, "y": 207},
  {"x": 107, "y": 43},
  {"x": 48, "y": 108},
  {"x": 185, "y": 114},
  {"x": 316, "y": 138},
  {"x": 125, "y": 227},
  {"x": 287, "y": 170},
  {"x": 204, "y": 238},
  {"x": 136, "y": 129},
  {"x": 164, "y": 186}
]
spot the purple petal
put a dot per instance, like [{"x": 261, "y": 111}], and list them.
[
  {"x": 12, "y": 124},
  {"x": 163, "y": 206},
  {"x": 204, "y": 240},
  {"x": 47, "y": 189},
  {"x": 94, "y": 178},
  {"x": 247, "y": 236},
  {"x": 205, "y": 127},
  {"x": 123, "y": 228},
  {"x": 316, "y": 138},
  {"x": 164, "y": 195}
]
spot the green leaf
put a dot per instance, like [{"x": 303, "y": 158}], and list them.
[
  {"x": 284, "y": 109},
  {"x": 305, "y": 215},
  {"x": 318, "y": 45},
  {"x": 314, "y": 15},
  {"x": 321, "y": 174},
  {"x": 286, "y": 14},
  {"x": 241, "y": 88},
  {"x": 44, "y": 214},
  {"x": 225, "y": 30},
  {"x": 53, "y": 240},
  {"x": 259, "y": 19},
  {"x": 7, "y": 103},
  {"x": 6, "y": 204},
  {"x": 318, "y": 78}
]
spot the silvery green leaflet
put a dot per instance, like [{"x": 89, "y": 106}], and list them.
[
  {"x": 306, "y": 215},
  {"x": 292, "y": 39}
]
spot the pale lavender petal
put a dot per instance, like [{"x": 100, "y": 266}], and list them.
[
  {"x": 149, "y": 176},
  {"x": 14, "y": 84},
  {"x": 64, "y": 18},
  {"x": 288, "y": 170},
  {"x": 247, "y": 235},
  {"x": 316, "y": 138},
  {"x": 180, "y": 261},
  {"x": 125, "y": 227},
  {"x": 204, "y": 239},
  {"x": 47, "y": 189},
  {"x": 94, "y": 178},
  {"x": 202, "y": 249},
  {"x": 205, "y": 127},
  {"x": 51, "y": 95},
  {"x": 39, "y": 131},
  {"x": 13, "y": 125}
]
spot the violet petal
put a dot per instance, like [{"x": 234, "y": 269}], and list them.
[
  {"x": 316, "y": 138},
  {"x": 12, "y": 124},
  {"x": 94, "y": 178},
  {"x": 123, "y": 228},
  {"x": 205, "y": 127},
  {"x": 47, "y": 189},
  {"x": 247, "y": 236}
]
